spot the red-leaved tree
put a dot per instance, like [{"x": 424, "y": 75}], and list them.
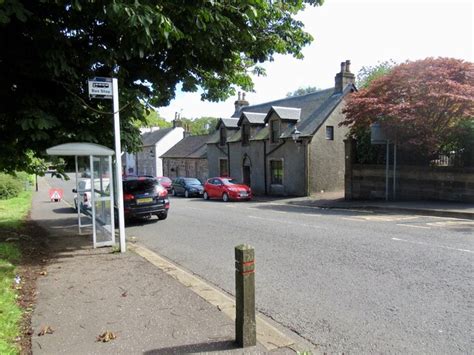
[{"x": 421, "y": 105}]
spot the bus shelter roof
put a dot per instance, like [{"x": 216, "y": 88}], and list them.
[{"x": 80, "y": 149}]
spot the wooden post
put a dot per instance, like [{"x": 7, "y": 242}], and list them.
[{"x": 245, "y": 325}]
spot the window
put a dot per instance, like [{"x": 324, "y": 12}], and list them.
[
  {"x": 276, "y": 172},
  {"x": 330, "y": 133},
  {"x": 222, "y": 136},
  {"x": 245, "y": 134},
  {"x": 223, "y": 167},
  {"x": 274, "y": 131}
]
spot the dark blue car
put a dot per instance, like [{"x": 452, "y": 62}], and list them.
[{"x": 187, "y": 187}]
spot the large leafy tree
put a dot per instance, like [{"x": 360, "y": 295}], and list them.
[
  {"x": 49, "y": 49},
  {"x": 423, "y": 105}
]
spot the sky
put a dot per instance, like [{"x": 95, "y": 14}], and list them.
[{"x": 366, "y": 32}]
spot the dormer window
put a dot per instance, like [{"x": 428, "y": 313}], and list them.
[
  {"x": 245, "y": 134},
  {"x": 274, "y": 131},
  {"x": 222, "y": 136}
]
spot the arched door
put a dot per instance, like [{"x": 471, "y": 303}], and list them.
[{"x": 246, "y": 170}]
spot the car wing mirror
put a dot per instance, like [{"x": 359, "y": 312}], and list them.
[{"x": 74, "y": 190}]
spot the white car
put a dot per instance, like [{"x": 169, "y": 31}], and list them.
[{"x": 84, "y": 192}]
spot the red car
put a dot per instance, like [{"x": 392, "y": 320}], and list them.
[
  {"x": 226, "y": 189},
  {"x": 165, "y": 182}
]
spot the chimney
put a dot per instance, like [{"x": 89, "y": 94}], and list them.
[
  {"x": 343, "y": 78},
  {"x": 240, "y": 103}
]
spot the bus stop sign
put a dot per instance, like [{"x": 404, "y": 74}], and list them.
[{"x": 100, "y": 88}]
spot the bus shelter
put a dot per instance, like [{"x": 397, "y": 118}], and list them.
[{"x": 94, "y": 190}]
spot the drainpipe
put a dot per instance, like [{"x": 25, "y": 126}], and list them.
[
  {"x": 228, "y": 159},
  {"x": 306, "y": 168},
  {"x": 265, "y": 165}
]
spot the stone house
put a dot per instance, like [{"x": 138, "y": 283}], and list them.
[
  {"x": 288, "y": 147},
  {"x": 154, "y": 144},
  {"x": 187, "y": 158}
]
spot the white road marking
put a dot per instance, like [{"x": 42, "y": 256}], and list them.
[
  {"x": 452, "y": 223},
  {"x": 412, "y": 226},
  {"x": 285, "y": 221},
  {"x": 432, "y": 245},
  {"x": 354, "y": 219}
]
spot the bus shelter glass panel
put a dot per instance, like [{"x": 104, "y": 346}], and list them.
[{"x": 103, "y": 201}]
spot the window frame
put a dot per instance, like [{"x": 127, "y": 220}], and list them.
[
  {"x": 279, "y": 180},
  {"x": 330, "y": 133},
  {"x": 274, "y": 131},
  {"x": 221, "y": 160},
  {"x": 222, "y": 136}
]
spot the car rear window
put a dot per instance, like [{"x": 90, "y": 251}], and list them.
[
  {"x": 164, "y": 179},
  {"x": 192, "y": 181},
  {"x": 139, "y": 185}
]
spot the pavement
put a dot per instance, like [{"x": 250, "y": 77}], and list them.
[{"x": 147, "y": 304}]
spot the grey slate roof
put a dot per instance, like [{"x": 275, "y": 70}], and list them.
[
  {"x": 191, "y": 147},
  {"x": 315, "y": 108},
  {"x": 285, "y": 113},
  {"x": 253, "y": 118},
  {"x": 228, "y": 122},
  {"x": 151, "y": 138}
]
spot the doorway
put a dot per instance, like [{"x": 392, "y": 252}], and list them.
[{"x": 246, "y": 171}]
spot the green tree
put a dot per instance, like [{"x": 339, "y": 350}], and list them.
[
  {"x": 50, "y": 48},
  {"x": 199, "y": 126},
  {"x": 367, "y": 74},
  {"x": 153, "y": 119},
  {"x": 302, "y": 91}
]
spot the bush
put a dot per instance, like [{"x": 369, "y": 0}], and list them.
[{"x": 10, "y": 186}]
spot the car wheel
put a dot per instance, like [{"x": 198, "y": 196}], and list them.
[
  {"x": 205, "y": 195},
  {"x": 186, "y": 193},
  {"x": 173, "y": 192},
  {"x": 162, "y": 215},
  {"x": 225, "y": 197}
]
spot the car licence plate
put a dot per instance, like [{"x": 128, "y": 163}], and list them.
[
  {"x": 243, "y": 194},
  {"x": 144, "y": 200}
]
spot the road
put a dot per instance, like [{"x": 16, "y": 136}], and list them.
[{"x": 347, "y": 281}]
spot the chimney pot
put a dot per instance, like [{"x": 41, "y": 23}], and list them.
[
  {"x": 343, "y": 67},
  {"x": 348, "y": 66},
  {"x": 238, "y": 96}
]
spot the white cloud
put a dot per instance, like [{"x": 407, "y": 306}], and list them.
[{"x": 366, "y": 32}]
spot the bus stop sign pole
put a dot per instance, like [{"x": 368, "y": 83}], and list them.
[{"x": 118, "y": 166}]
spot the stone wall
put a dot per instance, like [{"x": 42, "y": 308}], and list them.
[
  {"x": 367, "y": 182},
  {"x": 197, "y": 168}
]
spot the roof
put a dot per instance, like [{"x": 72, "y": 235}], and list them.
[
  {"x": 191, "y": 147},
  {"x": 253, "y": 118},
  {"x": 80, "y": 149},
  {"x": 314, "y": 109},
  {"x": 307, "y": 103},
  {"x": 312, "y": 123},
  {"x": 228, "y": 122},
  {"x": 285, "y": 113},
  {"x": 236, "y": 137},
  {"x": 214, "y": 137},
  {"x": 151, "y": 138}
]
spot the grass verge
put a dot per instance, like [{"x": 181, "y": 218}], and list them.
[{"x": 12, "y": 215}]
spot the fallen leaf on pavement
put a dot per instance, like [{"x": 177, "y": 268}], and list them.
[
  {"x": 44, "y": 273},
  {"x": 46, "y": 330},
  {"x": 106, "y": 337},
  {"x": 124, "y": 294}
]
